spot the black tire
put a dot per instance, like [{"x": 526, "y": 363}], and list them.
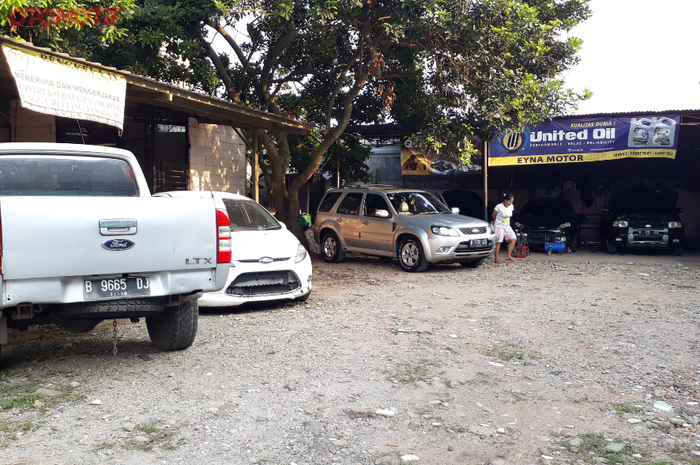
[
  {"x": 411, "y": 256},
  {"x": 331, "y": 248},
  {"x": 611, "y": 247},
  {"x": 303, "y": 298},
  {"x": 677, "y": 251},
  {"x": 175, "y": 328},
  {"x": 473, "y": 263}
]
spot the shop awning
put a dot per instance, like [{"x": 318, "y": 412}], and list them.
[{"x": 139, "y": 90}]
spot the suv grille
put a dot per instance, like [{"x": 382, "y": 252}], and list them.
[
  {"x": 264, "y": 283},
  {"x": 647, "y": 225},
  {"x": 468, "y": 231}
]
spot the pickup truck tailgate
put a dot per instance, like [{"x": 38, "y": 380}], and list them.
[{"x": 65, "y": 238}]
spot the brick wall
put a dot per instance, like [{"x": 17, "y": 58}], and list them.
[
  {"x": 30, "y": 126},
  {"x": 217, "y": 158}
]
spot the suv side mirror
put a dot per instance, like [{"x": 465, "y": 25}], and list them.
[
  {"x": 381, "y": 213},
  {"x": 679, "y": 210},
  {"x": 455, "y": 210},
  {"x": 605, "y": 210}
]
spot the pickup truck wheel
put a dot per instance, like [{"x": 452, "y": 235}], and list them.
[
  {"x": 331, "y": 248},
  {"x": 175, "y": 328},
  {"x": 677, "y": 251},
  {"x": 303, "y": 298},
  {"x": 473, "y": 263},
  {"x": 411, "y": 256}
]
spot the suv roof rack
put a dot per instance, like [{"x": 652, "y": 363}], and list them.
[{"x": 371, "y": 186}]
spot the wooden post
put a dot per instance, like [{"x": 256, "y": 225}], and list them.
[
  {"x": 256, "y": 150},
  {"x": 485, "y": 163}
]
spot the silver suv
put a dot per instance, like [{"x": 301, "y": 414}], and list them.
[{"x": 412, "y": 225}]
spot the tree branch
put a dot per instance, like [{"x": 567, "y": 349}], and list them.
[{"x": 220, "y": 70}]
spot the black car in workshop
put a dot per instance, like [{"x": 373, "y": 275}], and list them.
[
  {"x": 550, "y": 220},
  {"x": 644, "y": 219},
  {"x": 469, "y": 203}
]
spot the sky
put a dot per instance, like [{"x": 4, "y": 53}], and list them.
[{"x": 638, "y": 55}]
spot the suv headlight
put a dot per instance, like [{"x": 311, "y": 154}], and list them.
[
  {"x": 443, "y": 231},
  {"x": 675, "y": 224},
  {"x": 301, "y": 254},
  {"x": 492, "y": 230},
  {"x": 620, "y": 224},
  {"x": 564, "y": 225}
]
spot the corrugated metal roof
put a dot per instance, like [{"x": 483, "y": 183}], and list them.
[{"x": 198, "y": 103}]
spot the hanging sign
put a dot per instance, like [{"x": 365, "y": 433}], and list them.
[
  {"x": 588, "y": 139},
  {"x": 417, "y": 162},
  {"x": 61, "y": 87}
]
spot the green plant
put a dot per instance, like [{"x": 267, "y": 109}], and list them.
[
  {"x": 24, "y": 396},
  {"x": 155, "y": 436},
  {"x": 664, "y": 428},
  {"x": 411, "y": 374},
  {"x": 580, "y": 400},
  {"x": 626, "y": 407},
  {"x": 509, "y": 351},
  {"x": 594, "y": 446},
  {"x": 9, "y": 429}
]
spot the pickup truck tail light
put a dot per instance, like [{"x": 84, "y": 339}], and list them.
[{"x": 223, "y": 237}]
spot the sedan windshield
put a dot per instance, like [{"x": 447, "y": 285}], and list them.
[
  {"x": 246, "y": 215},
  {"x": 416, "y": 203}
]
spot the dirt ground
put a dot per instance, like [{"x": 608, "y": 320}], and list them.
[{"x": 563, "y": 359}]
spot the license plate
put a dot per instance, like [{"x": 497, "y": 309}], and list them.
[
  {"x": 116, "y": 287},
  {"x": 478, "y": 243}
]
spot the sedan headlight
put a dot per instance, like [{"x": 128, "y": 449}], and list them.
[
  {"x": 301, "y": 254},
  {"x": 620, "y": 224},
  {"x": 675, "y": 224},
  {"x": 564, "y": 225},
  {"x": 443, "y": 231}
]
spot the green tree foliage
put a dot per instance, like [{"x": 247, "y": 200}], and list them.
[{"x": 446, "y": 70}]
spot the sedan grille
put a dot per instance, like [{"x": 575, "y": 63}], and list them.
[
  {"x": 264, "y": 283},
  {"x": 476, "y": 230}
]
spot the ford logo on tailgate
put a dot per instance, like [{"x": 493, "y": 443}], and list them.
[
  {"x": 266, "y": 260},
  {"x": 118, "y": 244}
]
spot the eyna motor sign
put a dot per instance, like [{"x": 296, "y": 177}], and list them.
[{"x": 588, "y": 139}]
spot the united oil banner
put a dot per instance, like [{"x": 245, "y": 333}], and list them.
[
  {"x": 56, "y": 86},
  {"x": 418, "y": 162},
  {"x": 588, "y": 139}
]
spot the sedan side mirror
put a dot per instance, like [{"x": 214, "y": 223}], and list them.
[
  {"x": 381, "y": 213},
  {"x": 455, "y": 210}
]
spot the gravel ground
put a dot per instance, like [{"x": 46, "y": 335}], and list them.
[{"x": 574, "y": 359}]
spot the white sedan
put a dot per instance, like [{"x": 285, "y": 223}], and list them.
[{"x": 268, "y": 262}]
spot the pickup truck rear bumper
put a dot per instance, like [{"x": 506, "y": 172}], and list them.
[{"x": 67, "y": 290}]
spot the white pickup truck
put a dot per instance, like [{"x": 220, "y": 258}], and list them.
[{"x": 82, "y": 240}]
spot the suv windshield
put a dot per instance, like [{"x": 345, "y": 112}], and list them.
[
  {"x": 415, "y": 203},
  {"x": 247, "y": 215}
]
